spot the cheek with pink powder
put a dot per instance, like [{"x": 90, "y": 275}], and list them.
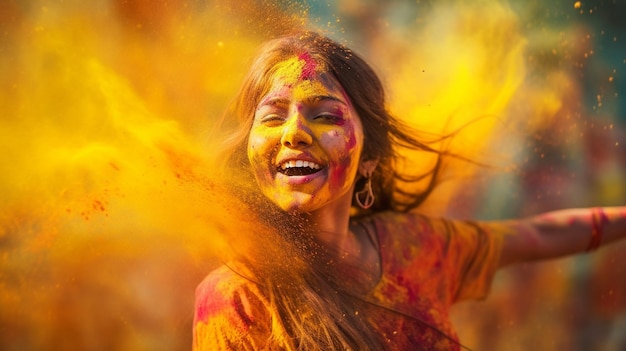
[
  {"x": 339, "y": 176},
  {"x": 345, "y": 163}
]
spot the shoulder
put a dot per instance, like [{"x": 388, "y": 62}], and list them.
[
  {"x": 463, "y": 254},
  {"x": 413, "y": 235},
  {"x": 408, "y": 227},
  {"x": 231, "y": 313},
  {"x": 420, "y": 226},
  {"x": 401, "y": 219},
  {"x": 228, "y": 294}
]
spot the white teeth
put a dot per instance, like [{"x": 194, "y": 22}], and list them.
[
  {"x": 310, "y": 165},
  {"x": 299, "y": 163}
]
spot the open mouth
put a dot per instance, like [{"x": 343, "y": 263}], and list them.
[{"x": 298, "y": 168}]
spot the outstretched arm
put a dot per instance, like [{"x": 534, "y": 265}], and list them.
[{"x": 560, "y": 233}]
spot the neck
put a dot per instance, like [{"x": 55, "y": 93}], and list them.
[
  {"x": 357, "y": 257},
  {"x": 332, "y": 225}
]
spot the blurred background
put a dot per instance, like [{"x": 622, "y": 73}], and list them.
[{"x": 108, "y": 217}]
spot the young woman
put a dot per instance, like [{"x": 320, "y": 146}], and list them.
[{"x": 339, "y": 260}]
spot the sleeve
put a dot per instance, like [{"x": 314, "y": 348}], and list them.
[
  {"x": 436, "y": 259},
  {"x": 472, "y": 251},
  {"x": 230, "y": 314}
]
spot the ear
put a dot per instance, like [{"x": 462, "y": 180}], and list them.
[{"x": 366, "y": 168}]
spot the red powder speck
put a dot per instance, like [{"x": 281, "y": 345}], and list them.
[
  {"x": 308, "y": 71},
  {"x": 98, "y": 205}
]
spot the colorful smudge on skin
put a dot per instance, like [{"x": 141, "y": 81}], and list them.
[
  {"x": 309, "y": 69},
  {"x": 305, "y": 117}
]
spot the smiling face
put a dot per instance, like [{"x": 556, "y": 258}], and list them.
[{"x": 306, "y": 139}]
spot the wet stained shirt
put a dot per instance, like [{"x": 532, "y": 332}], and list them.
[{"x": 427, "y": 265}]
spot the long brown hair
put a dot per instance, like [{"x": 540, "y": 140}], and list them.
[{"x": 317, "y": 311}]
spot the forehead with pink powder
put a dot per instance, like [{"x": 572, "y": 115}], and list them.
[
  {"x": 297, "y": 68},
  {"x": 304, "y": 67},
  {"x": 309, "y": 66}
]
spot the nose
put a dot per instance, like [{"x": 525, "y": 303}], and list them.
[{"x": 296, "y": 132}]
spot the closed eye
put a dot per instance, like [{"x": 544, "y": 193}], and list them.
[
  {"x": 330, "y": 118},
  {"x": 271, "y": 120}
]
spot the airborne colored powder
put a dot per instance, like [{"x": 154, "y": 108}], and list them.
[{"x": 111, "y": 210}]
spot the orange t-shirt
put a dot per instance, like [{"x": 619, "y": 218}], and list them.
[{"x": 427, "y": 265}]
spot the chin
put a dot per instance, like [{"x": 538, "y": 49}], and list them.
[{"x": 296, "y": 206}]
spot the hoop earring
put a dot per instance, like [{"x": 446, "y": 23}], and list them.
[{"x": 369, "y": 195}]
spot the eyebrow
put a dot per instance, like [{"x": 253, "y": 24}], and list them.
[
  {"x": 319, "y": 98},
  {"x": 276, "y": 100}
]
